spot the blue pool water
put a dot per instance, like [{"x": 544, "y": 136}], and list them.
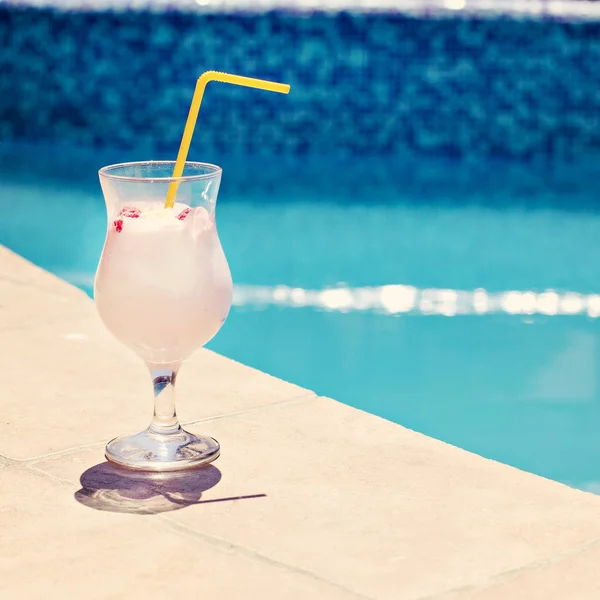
[{"x": 511, "y": 377}]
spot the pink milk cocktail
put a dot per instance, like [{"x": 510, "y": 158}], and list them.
[{"x": 163, "y": 288}]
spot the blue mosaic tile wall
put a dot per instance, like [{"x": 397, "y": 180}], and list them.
[{"x": 361, "y": 83}]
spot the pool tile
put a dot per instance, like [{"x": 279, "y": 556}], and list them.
[{"x": 522, "y": 85}]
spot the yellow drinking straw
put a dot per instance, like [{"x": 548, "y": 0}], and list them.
[{"x": 261, "y": 84}]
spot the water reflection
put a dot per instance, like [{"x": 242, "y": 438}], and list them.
[{"x": 406, "y": 299}]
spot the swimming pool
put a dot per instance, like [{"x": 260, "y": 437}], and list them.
[{"x": 357, "y": 278}]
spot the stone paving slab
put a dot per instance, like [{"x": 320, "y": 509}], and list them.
[
  {"x": 54, "y": 547},
  {"x": 20, "y": 305},
  {"x": 573, "y": 576},
  {"x": 362, "y": 503},
  {"x": 26, "y": 289},
  {"x": 16, "y": 269},
  {"x": 310, "y": 498}
]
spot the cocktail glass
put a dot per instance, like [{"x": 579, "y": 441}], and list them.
[{"x": 163, "y": 288}]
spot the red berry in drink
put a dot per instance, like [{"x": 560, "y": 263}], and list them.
[
  {"x": 130, "y": 212},
  {"x": 118, "y": 225}
]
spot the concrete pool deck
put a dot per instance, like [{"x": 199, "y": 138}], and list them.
[{"x": 310, "y": 498}]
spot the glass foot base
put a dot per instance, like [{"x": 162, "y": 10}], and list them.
[{"x": 154, "y": 451}]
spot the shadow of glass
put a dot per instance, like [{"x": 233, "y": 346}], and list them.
[{"x": 106, "y": 487}]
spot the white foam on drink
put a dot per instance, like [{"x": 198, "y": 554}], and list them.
[
  {"x": 161, "y": 249},
  {"x": 155, "y": 218}
]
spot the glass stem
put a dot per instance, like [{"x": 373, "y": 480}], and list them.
[{"x": 164, "y": 420}]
